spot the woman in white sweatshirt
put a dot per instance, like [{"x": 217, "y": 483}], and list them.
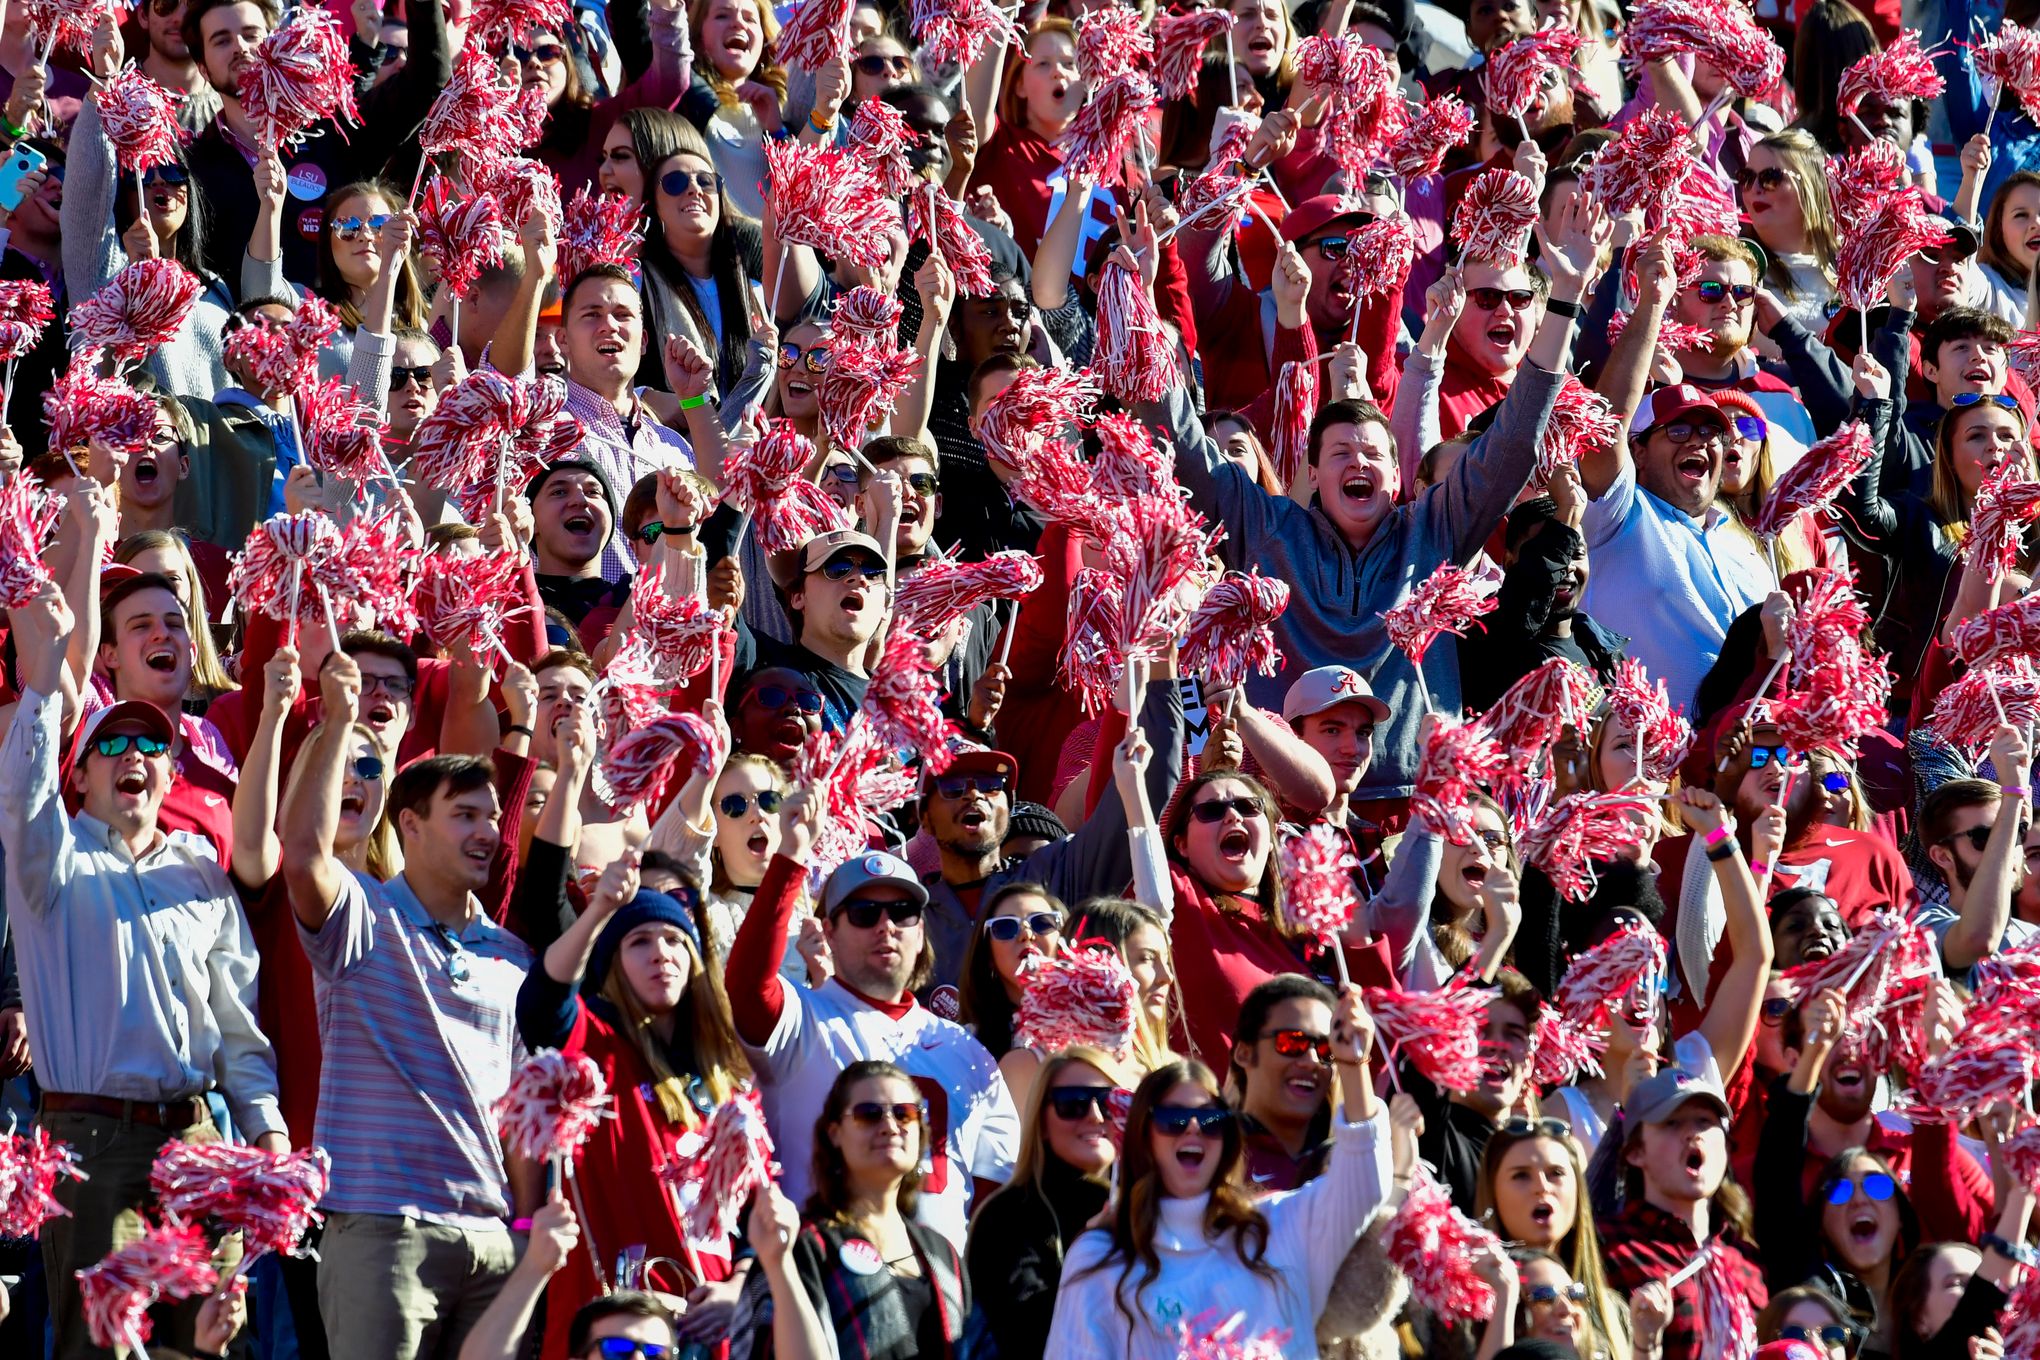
[{"x": 1187, "y": 1245}]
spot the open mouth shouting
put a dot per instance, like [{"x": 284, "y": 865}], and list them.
[
  {"x": 1694, "y": 468},
  {"x": 1475, "y": 875},
  {"x": 162, "y": 659},
  {"x": 1543, "y": 1213},
  {"x": 1503, "y": 331},
  {"x": 131, "y": 784},
  {"x": 379, "y": 714},
  {"x": 757, "y": 843},
  {"x": 1981, "y": 373},
  {"x": 579, "y": 523},
  {"x": 1234, "y": 844},
  {"x": 147, "y": 470}
]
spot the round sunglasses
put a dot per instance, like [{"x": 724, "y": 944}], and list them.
[
  {"x": 737, "y": 804},
  {"x": 1877, "y": 1188}
]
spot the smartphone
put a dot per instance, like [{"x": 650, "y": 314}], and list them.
[{"x": 22, "y": 161}]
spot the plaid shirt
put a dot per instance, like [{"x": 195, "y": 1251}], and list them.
[{"x": 1646, "y": 1243}]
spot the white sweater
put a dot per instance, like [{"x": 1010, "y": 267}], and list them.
[{"x": 1309, "y": 1233}]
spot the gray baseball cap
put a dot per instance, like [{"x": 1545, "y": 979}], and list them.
[
  {"x": 865, "y": 868},
  {"x": 1327, "y": 687},
  {"x": 1658, "y": 1098}
]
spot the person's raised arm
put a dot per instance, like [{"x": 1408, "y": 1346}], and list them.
[
  {"x": 803, "y": 272},
  {"x": 92, "y": 528},
  {"x": 691, "y": 375},
  {"x": 311, "y": 814},
  {"x": 554, "y": 1235},
  {"x": 1057, "y": 254},
  {"x": 1130, "y": 760},
  {"x": 34, "y": 825},
  {"x": 257, "y": 851},
  {"x": 264, "y": 262},
  {"x": 566, "y": 958},
  {"x": 1730, "y": 1022},
  {"x": 756, "y": 991},
  {"x": 1292, "y": 767},
  {"x": 1498, "y": 1333},
  {"x": 1987, "y": 908},
  {"x": 797, "y": 1332},
  {"x": 1501, "y": 912},
  {"x": 1352, "y": 1040},
  {"x": 1627, "y": 372},
  {"x": 937, "y": 288},
  {"x": 379, "y": 307},
  {"x": 1414, "y": 418},
  {"x": 832, "y": 84},
  {"x": 1976, "y": 160},
  {"x": 981, "y": 88},
  {"x": 516, "y": 341}
]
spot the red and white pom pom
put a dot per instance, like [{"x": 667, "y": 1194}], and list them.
[
  {"x": 904, "y": 702},
  {"x": 1085, "y": 995},
  {"x": 1449, "y": 600},
  {"x": 1180, "y": 43},
  {"x": 495, "y": 20},
  {"x": 1459, "y": 759},
  {"x": 879, "y": 133},
  {"x": 715, "y": 1169},
  {"x": 933, "y": 216},
  {"x": 262, "y": 354},
  {"x": 1378, "y": 258},
  {"x": 1494, "y": 217},
  {"x": 539, "y": 431},
  {"x": 1812, "y": 484},
  {"x": 1727, "y": 1323},
  {"x": 1676, "y": 336},
  {"x": 1727, "y": 37},
  {"x": 1131, "y": 462},
  {"x": 1039, "y": 405},
  {"x": 1218, "y": 196},
  {"x": 270, "y": 1197},
  {"x": 2010, "y": 60},
  {"x": 164, "y": 1262},
  {"x": 1171, "y": 544},
  {"x": 1560, "y": 1050},
  {"x": 1135, "y": 359},
  {"x": 1232, "y": 633},
  {"x": 2019, "y": 1323},
  {"x": 521, "y": 186},
  {"x": 1872, "y": 254},
  {"x": 1645, "y": 164},
  {"x": 682, "y": 631},
  {"x": 1582, "y": 422},
  {"x": 460, "y": 442},
  {"x": 831, "y": 200},
  {"x": 1092, "y": 660},
  {"x": 867, "y": 315},
  {"x": 861, "y": 386},
  {"x": 954, "y": 32},
  {"x": 2022, "y": 1156},
  {"x": 137, "y": 311},
  {"x": 1113, "y": 41},
  {"x": 1365, "y": 111},
  {"x": 598, "y": 229},
  {"x": 81, "y": 406},
  {"x": 343, "y": 434},
  {"x": 1437, "y": 1032},
  {"x": 1863, "y": 178},
  {"x": 2023, "y": 353},
  {"x": 1296, "y": 401},
  {"x": 815, "y": 34},
  {"x": 551, "y": 1105},
  {"x": 1897, "y": 74},
  {"x": 1982, "y": 1066},
  {"x": 1107, "y": 127},
  {"x": 1828, "y": 621},
  {"x": 26, "y": 310},
  {"x": 28, "y": 522},
  {"x": 1661, "y": 735},
  {"x": 763, "y": 477},
  {"x": 1204, "y": 1337},
  {"x": 1888, "y": 967},
  {"x": 469, "y": 111},
  {"x": 2001, "y": 515},
  {"x": 461, "y": 234},
  {"x": 59, "y": 25},
  {"x": 298, "y": 77},
  {"x": 1704, "y": 205},
  {"x": 1436, "y": 128},
  {"x": 1520, "y": 73},
  {"x": 1317, "y": 882},
  {"x": 1580, "y": 829},
  {"x": 857, "y": 778},
  {"x": 31, "y": 1164},
  {"x": 136, "y": 115},
  {"x": 1533, "y": 713},
  {"x": 1434, "y": 1246},
  {"x": 1623, "y": 975},
  {"x": 375, "y": 567},
  {"x": 279, "y": 548},
  {"x": 944, "y": 589},
  {"x": 1966, "y": 713},
  {"x": 638, "y": 768},
  {"x": 465, "y": 599},
  {"x": 2011, "y": 629}
]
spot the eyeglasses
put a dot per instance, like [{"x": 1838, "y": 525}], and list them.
[
  {"x": 117, "y": 743},
  {"x": 676, "y": 183},
  {"x": 368, "y": 767},
  {"x": 1071, "y": 1103},
  {"x": 350, "y": 228},
  {"x": 1294, "y": 1043},
  {"x": 957, "y": 785},
  {"x": 1536, "y": 1128},
  {"x": 1752, "y": 429},
  {"x": 1714, "y": 290},
  {"x": 623, "y": 1348},
  {"x": 1769, "y": 180},
  {"x": 1760, "y": 756},
  {"x": 1977, "y": 836},
  {"x": 456, "y": 955},
  {"x": 863, "y": 913},
  {"x": 404, "y": 377},
  {"x": 1487, "y": 299},
  {"x": 817, "y": 357},
  {"x": 1834, "y": 1334},
  {"x": 879, "y": 64},
  {"x": 1212, "y": 810},
  {"x": 839, "y": 569},
  {"x": 737, "y": 804},
  {"x": 396, "y": 686},
  {"x": 169, "y": 172},
  {"x": 544, "y": 52},
  {"x": 1691, "y": 432},
  {"x": 1173, "y": 1121},
  {"x": 1962, "y": 401},
  {"x": 1493, "y": 840},
  {"x": 1546, "y": 1295},
  {"x": 1877, "y": 1188},
  {"x": 776, "y": 697},
  {"x": 1006, "y": 929}
]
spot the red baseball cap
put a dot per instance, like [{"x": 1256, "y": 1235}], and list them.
[
  {"x": 1667, "y": 404},
  {"x": 1315, "y": 214}
]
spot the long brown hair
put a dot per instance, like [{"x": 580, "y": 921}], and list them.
[
  {"x": 409, "y": 298},
  {"x": 1579, "y": 1250},
  {"x": 1805, "y": 168},
  {"x": 1229, "y": 1211},
  {"x": 208, "y": 674},
  {"x": 702, "y": 1023},
  {"x": 1730, "y": 1202},
  {"x": 1996, "y": 251},
  {"x": 830, "y": 1199}
]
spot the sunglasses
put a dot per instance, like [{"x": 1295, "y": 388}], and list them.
[
  {"x": 547, "y": 52},
  {"x": 350, "y": 228},
  {"x": 1760, "y": 756},
  {"x": 1545, "y": 1295},
  {"x": 117, "y": 743},
  {"x": 737, "y": 804},
  {"x": 1333, "y": 247},
  {"x": 921, "y": 483},
  {"x": 1006, "y": 929},
  {"x": 1714, "y": 290},
  {"x": 1877, "y": 1188},
  {"x": 872, "y": 1113},
  {"x": 1487, "y": 299},
  {"x": 1835, "y": 782},
  {"x": 1212, "y": 810},
  {"x": 368, "y": 767},
  {"x": 957, "y": 785},
  {"x": 1962, "y": 401},
  {"x": 1536, "y": 1128},
  {"x": 1072, "y": 1103},
  {"x": 676, "y": 183},
  {"x": 776, "y": 697},
  {"x": 846, "y": 473},
  {"x": 817, "y": 359},
  {"x": 879, "y": 64},
  {"x": 1173, "y": 1121},
  {"x": 1769, "y": 180},
  {"x": 456, "y": 955},
  {"x": 169, "y": 172},
  {"x": 1834, "y": 1334},
  {"x": 166, "y": 8},
  {"x": 1493, "y": 840},
  {"x": 839, "y": 569},
  {"x": 1752, "y": 429},
  {"x": 864, "y": 913},
  {"x": 403, "y": 377},
  {"x": 1294, "y": 1043},
  {"x": 1775, "y": 1008},
  {"x": 1977, "y": 836},
  {"x": 651, "y": 531}
]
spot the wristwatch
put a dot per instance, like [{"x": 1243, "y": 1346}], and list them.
[{"x": 1560, "y": 307}]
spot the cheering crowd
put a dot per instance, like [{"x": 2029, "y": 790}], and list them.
[{"x": 878, "y": 679}]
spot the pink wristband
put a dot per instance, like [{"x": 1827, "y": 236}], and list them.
[
  {"x": 1759, "y": 868},
  {"x": 2016, "y": 790},
  {"x": 520, "y": 1225},
  {"x": 1717, "y": 835}
]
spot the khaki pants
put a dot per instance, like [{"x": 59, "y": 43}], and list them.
[
  {"x": 106, "y": 1213},
  {"x": 399, "y": 1289}
]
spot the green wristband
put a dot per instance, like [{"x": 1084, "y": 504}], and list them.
[{"x": 690, "y": 403}]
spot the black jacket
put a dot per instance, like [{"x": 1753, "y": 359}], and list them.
[
  {"x": 1015, "y": 1256},
  {"x": 1516, "y": 638}
]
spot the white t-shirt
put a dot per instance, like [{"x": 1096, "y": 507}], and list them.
[{"x": 974, "y": 1129}]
